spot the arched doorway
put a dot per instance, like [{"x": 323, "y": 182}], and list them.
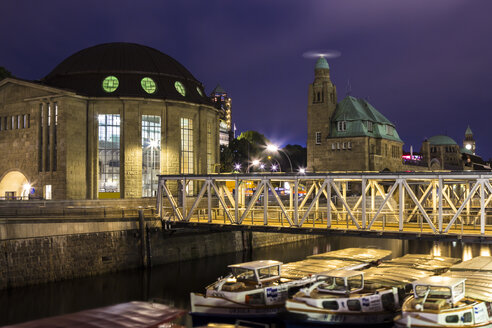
[{"x": 14, "y": 185}]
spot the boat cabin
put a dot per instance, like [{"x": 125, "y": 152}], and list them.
[
  {"x": 257, "y": 272},
  {"x": 340, "y": 281},
  {"x": 450, "y": 289}
]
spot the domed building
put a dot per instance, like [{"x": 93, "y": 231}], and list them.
[
  {"x": 442, "y": 153},
  {"x": 103, "y": 124}
]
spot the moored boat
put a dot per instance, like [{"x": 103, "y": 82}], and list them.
[
  {"x": 260, "y": 288},
  {"x": 252, "y": 289},
  {"x": 461, "y": 297},
  {"x": 340, "y": 297}
]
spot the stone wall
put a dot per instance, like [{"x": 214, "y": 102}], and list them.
[{"x": 26, "y": 261}]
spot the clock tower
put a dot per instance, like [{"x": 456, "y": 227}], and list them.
[
  {"x": 469, "y": 142},
  {"x": 322, "y": 102}
]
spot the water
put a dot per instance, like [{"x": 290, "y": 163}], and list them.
[{"x": 172, "y": 283}]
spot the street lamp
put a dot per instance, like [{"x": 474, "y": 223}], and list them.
[
  {"x": 275, "y": 148},
  {"x": 255, "y": 162},
  {"x": 237, "y": 167}
]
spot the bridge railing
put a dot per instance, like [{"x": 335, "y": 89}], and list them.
[{"x": 439, "y": 203}]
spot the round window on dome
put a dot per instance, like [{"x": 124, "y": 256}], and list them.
[
  {"x": 110, "y": 83},
  {"x": 180, "y": 88},
  {"x": 148, "y": 85},
  {"x": 199, "y": 91}
]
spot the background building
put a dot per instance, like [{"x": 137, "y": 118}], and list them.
[
  {"x": 103, "y": 124},
  {"x": 347, "y": 136},
  {"x": 443, "y": 153},
  {"x": 223, "y": 103}
]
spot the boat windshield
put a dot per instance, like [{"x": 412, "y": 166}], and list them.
[
  {"x": 269, "y": 272},
  {"x": 340, "y": 284},
  {"x": 434, "y": 291},
  {"x": 243, "y": 274},
  {"x": 355, "y": 282},
  {"x": 332, "y": 283}
]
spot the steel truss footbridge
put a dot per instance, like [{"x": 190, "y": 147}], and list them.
[{"x": 433, "y": 205}]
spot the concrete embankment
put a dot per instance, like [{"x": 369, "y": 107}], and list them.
[{"x": 42, "y": 249}]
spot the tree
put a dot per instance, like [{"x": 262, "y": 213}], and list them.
[
  {"x": 4, "y": 73},
  {"x": 252, "y": 145}
]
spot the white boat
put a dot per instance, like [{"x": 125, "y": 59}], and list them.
[
  {"x": 253, "y": 289},
  {"x": 260, "y": 288},
  {"x": 339, "y": 297},
  {"x": 441, "y": 301}
]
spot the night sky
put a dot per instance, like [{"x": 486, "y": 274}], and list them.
[{"x": 426, "y": 65}]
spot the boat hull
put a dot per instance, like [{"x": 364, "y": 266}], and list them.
[
  {"x": 339, "y": 318},
  {"x": 221, "y": 307}
]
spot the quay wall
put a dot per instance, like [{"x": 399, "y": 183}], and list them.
[{"x": 38, "y": 250}]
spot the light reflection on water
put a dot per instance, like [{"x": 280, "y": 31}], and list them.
[{"x": 173, "y": 282}]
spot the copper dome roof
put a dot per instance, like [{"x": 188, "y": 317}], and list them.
[{"x": 84, "y": 72}]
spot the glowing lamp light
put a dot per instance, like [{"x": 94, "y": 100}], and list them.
[
  {"x": 153, "y": 143},
  {"x": 26, "y": 186},
  {"x": 274, "y": 167},
  {"x": 272, "y": 147},
  {"x": 302, "y": 170},
  {"x": 256, "y": 162},
  {"x": 468, "y": 146},
  {"x": 237, "y": 166},
  {"x": 262, "y": 166}
]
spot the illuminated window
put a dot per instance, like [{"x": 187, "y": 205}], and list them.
[
  {"x": 333, "y": 146},
  {"x": 343, "y": 145},
  {"x": 151, "y": 154},
  {"x": 148, "y": 85},
  {"x": 342, "y": 125},
  {"x": 369, "y": 126},
  {"x": 48, "y": 140},
  {"x": 55, "y": 146},
  {"x": 187, "y": 149},
  {"x": 318, "y": 138},
  {"x": 109, "y": 152},
  {"x": 210, "y": 162},
  {"x": 40, "y": 138},
  {"x": 180, "y": 88},
  {"x": 110, "y": 83},
  {"x": 199, "y": 91}
]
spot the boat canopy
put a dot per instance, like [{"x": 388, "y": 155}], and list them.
[
  {"x": 449, "y": 288},
  {"x": 257, "y": 271},
  {"x": 254, "y": 265},
  {"x": 477, "y": 272},
  {"x": 132, "y": 314},
  {"x": 340, "y": 273}
]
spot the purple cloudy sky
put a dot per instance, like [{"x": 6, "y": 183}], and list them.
[{"x": 426, "y": 65}]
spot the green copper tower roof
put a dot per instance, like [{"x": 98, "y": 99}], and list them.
[
  {"x": 322, "y": 63},
  {"x": 361, "y": 120},
  {"x": 468, "y": 131},
  {"x": 441, "y": 140},
  {"x": 218, "y": 89}
]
